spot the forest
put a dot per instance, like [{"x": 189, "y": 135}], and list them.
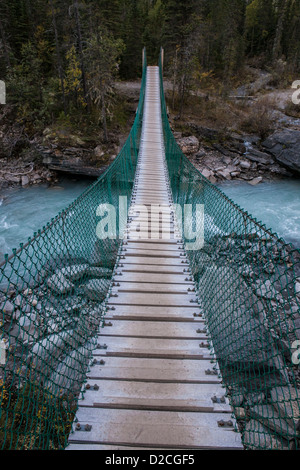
[{"x": 61, "y": 58}]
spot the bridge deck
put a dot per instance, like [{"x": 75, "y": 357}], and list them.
[{"x": 153, "y": 389}]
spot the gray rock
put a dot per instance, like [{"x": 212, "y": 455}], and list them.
[
  {"x": 255, "y": 181},
  {"x": 226, "y": 173},
  {"x": 287, "y": 402},
  {"x": 295, "y": 325},
  {"x": 25, "y": 323},
  {"x": 265, "y": 290},
  {"x": 189, "y": 145},
  {"x": 259, "y": 157},
  {"x": 207, "y": 173},
  {"x": 255, "y": 398},
  {"x": 237, "y": 336},
  {"x": 25, "y": 180},
  {"x": 13, "y": 179},
  {"x": 59, "y": 284},
  {"x": 73, "y": 273},
  {"x": 96, "y": 289},
  {"x": 284, "y": 145},
  {"x": 18, "y": 301},
  {"x": 8, "y": 308},
  {"x": 99, "y": 152},
  {"x": 104, "y": 253},
  {"x": 71, "y": 372},
  {"x": 257, "y": 436},
  {"x": 48, "y": 349},
  {"x": 269, "y": 417},
  {"x": 99, "y": 272},
  {"x": 245, "y": 165},
  {"x": 29, "y": 328}
]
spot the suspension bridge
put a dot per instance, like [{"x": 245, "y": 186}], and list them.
[{"x": 173, "y": 331}]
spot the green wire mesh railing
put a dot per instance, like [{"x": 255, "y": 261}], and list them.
[
  {"x": 248, "y": 284},
  {"x": 53, "y": 292}
]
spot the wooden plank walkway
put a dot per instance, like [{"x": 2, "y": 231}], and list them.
[{"x": 152, "y": 385}]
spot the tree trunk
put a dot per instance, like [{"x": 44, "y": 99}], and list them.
[
  {"x": 279, "y": 29},
  {"x": 80, "y": 47},
  {"x": 5, "y": 46},
  {"x": 59, "y": 59},
  {"x": 104, "y": 122}
]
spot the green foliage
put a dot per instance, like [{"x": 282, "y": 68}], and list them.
[
  {"x": 32, "y": 418},
  {"x": 55, "y": 59}
]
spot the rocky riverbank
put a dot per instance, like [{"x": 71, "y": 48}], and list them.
[
  {"x": 239, "y": 157},
  {"x": 253, "y": 283},
  {"x": 49, "y": 327},
  {"x": 23, "y": 174}
]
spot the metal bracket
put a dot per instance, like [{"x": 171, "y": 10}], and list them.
[
  {"x": 211, "y": 372},
  {"x": 225, "y": 424},
  {"x": 215, "y": 399},
  {"x": 86, "y": 428}
]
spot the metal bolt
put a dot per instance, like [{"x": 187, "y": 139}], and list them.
[
  {"x": 78, "y": 427},
  {"x": 87, "y": 427},
  {"x": 228, "y": 424}
]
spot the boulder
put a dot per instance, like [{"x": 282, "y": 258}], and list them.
[
  {"x": 256, "y": 436},
  {"x": 269, "y": 417},
  {"x": 71, "y": 372},
  {"x": 74, "y": 273},
  {"x": 99, "y": 152},
  {"x": 259, "y": 157},
  {"x": 96, "y": 289},
  {"x": 287, "y": 402},
  {"x": 7, "y": 308},
  {"x": 256, "y": 181},
  {"x": 189, "y": 145},
  {"x": 245, "y": 165},
  {"x": 239, "y": 337},
  {"x": 25, "y": 180},
  {"x": 284, "y": 145},
  {"x": 207, "y": 173},
  {"x": 59, "y": 284}
]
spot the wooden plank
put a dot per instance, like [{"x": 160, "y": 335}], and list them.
[
  {"x": 158, "y": 313},
  {"x": 160, "y": 396},
  {"x": 96, "y": 447},
  {"x": 154, "y": 370},
  {"x": 151, "y": 268},
  {"x": 165, "y": 242},
  {"x": 169, "y": 300},
  {"x": 155, "y": 246},
  {"x": 153, "y": 329},
  {"x": 152, "y": 254},
  {"x": 154, "y": 278},
  {"x": 155, "y": 429},
  {"x": 152, "y": 348},
  {"x": 153, "y": 261},
  {"x": 156, "y": 288}
]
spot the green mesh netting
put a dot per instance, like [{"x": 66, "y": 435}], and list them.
[
  {"x": 248, "y": 283},
  {"x": 53, "y": 293}
]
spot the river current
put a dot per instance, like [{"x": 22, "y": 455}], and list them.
[{"x": 24, "y": 211}]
